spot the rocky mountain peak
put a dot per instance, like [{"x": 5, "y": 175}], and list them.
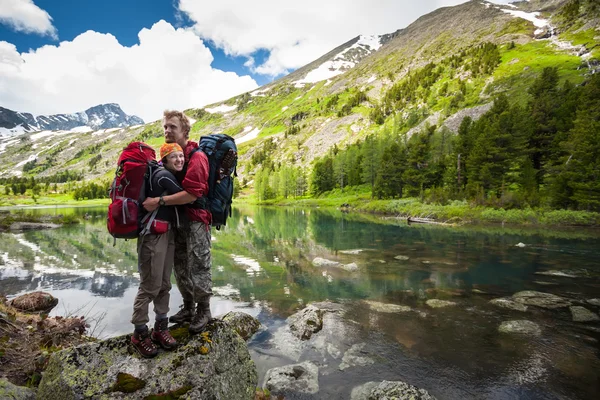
[{"x": 102, "y": 116}]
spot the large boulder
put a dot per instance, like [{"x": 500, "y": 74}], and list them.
[
  {"x": 356, "y": 356},
  {"x": 244, "y": 324},
  {"x": 14, "y": 392},
  {"x": 541, "y": 299},
  {"x": 306, "y": 322},
  {"x": 213, "y": 365},
  {"x": 396, "y": 390},
  {"x": 509, "y": 304},
  {"x": 436, "y": 303},
  {"x": 302, "y": 378},
  {"x": 34, "y": 302},
  {"x": 522, "y": 327},
  {"x": 582, "y": 314}
]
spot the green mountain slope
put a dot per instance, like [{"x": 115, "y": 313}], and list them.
[{"x": 447, "y": 65}]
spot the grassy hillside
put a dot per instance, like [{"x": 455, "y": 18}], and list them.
[{"x": 448, "y": 64}]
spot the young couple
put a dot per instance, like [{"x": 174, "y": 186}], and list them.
[{"x": 179, "y": 240}]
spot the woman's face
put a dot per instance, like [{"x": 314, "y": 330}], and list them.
[{"x": 174, "y": 161}]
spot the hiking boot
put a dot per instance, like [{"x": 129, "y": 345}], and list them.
[
  {"x": 185, "y": 314},
  {"x": 143, "y": 344},
  {"x": 201, "y": 317},
  {"x": 161, "y": 335}
]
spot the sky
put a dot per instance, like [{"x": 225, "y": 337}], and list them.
[{"x": 64, "y": 56}]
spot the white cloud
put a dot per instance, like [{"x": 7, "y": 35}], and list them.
[
  {"x": 25, "y": 16},
  {"x": 169, "y": 68},
  {"x": 298, "y": 32}
]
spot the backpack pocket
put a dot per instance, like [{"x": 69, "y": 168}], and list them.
[
  {"x": 159, "y": 227},
  {"x": 123, "y": 218}
]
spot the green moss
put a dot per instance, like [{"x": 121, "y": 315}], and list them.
[
  {"x": 180, "y": 333},
  {"x": 127, "y": 383},
  {"x": 172, "y": 395}
]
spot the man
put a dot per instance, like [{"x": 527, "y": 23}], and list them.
[{"x": 192, "y": 238}]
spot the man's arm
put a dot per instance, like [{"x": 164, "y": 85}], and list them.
[{"x": 183, "y": 197}]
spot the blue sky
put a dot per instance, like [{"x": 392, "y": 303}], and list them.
[
  {"x": 124, "y": 19},
  {"x": 61, "y": 56}
]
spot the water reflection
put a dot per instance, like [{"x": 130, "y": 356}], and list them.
[{"x": 266, "y": 263}]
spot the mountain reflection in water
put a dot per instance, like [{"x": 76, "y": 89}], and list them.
[{"x": 270, "y": 262}]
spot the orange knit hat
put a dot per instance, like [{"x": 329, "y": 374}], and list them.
[{"x": 168, "y": 148}]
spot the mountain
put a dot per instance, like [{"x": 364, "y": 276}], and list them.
[
  {"x": 103, "y": 116},
  {"x": 429, "y": 76}
]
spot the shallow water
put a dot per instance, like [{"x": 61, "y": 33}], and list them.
[{"x": 263, "y": 265}]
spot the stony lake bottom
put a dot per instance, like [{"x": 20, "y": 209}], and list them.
[{"x": 271, "y": 262}]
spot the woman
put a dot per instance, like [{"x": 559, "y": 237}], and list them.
[{"x": 155, "y": 258}]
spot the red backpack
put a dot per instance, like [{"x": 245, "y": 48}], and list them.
[{"x": 128, "y": 190}]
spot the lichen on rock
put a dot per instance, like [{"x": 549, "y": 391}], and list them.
[{"x": 215, "y": 364}]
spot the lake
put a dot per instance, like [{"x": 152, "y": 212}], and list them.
[{"x": 271, "y": 262}]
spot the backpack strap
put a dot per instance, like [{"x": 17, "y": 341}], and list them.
[{"x": 150, "y": 217}]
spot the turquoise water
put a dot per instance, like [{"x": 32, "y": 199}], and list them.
[{"x": 265, "y": 263}]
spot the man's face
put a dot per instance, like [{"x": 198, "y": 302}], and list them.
[{"x": 173, "y": 132}]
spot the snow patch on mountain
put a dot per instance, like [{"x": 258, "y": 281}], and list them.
[
  {"x": 223, "y": 108},
  {"x": 343, "y": 61},
  {"x": 249, "y": 136},
  {"x": 534, "y": 17}
]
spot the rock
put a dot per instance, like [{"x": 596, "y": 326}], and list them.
[
  {"x": 540, "y": 299},
  {"x": 356, "y": 356},
  {"x": 11, "y": 391},
  {"x": 544, "y": 283},
  {"x": 352, "y": 252},
  {"x": 244, "y": 324},
  {"x": 34, "y": 302},
  {"x": 520, "y": 245},
  {"x": 594, "y": 302},
  {"x": 387, "y": 308},
  {"x": 306, "y": 322},
  {"x": 363, "y": 391},
  {"x": 303, "y": 378},
  {"x": 388, "y": 390},
  {"x": 436, "y": 303},
  {"x": 509, "y": 303},
  {"x": 215, "y": 364},
  {"x": 350, "y": 267},
  {"x": 402, "y": 258},
  {"x": 520, "y": 327},
  {"x": 32, "y": 226},
  {"x": 553, "y": 272},
  {"x": 323, "y": 262},
  {"x": 582, "y": 314}
]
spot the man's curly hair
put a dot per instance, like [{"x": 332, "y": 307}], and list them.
[{"x": 185, "y": 122}]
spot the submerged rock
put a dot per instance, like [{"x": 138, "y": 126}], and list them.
[
  {"x": 396, "y": 390},
  {"x": 352, "y": 252},
  {"x": 306, "y": 322},
  {"x": 594, "y": 302},
  {"x": 523, "y": 326},
  {"x": 541, "y": 299},
  {"x": 323, "y": 262},
  {"x": 244, "y": 324},
  {"x": 402, "y": 258},
  {"x": 509, "y": 303},
  {"x": 564, "y": 274},
  {"x": 34, "y": 302},
  {"x": 215, "y": 364},
  {"x": 356, "y": 356},
  {"x": 11, "y": 391},
  {"x": 32, "y": 226},
  {"x": 387, "y": 308},
  {"x": 437, "y": 303},
  {"x": 303, "y": 378},
  {"x": 520, "y": 244},
  {"x": 350, "y": 267},
  {"x": 582, "y": 314}
]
